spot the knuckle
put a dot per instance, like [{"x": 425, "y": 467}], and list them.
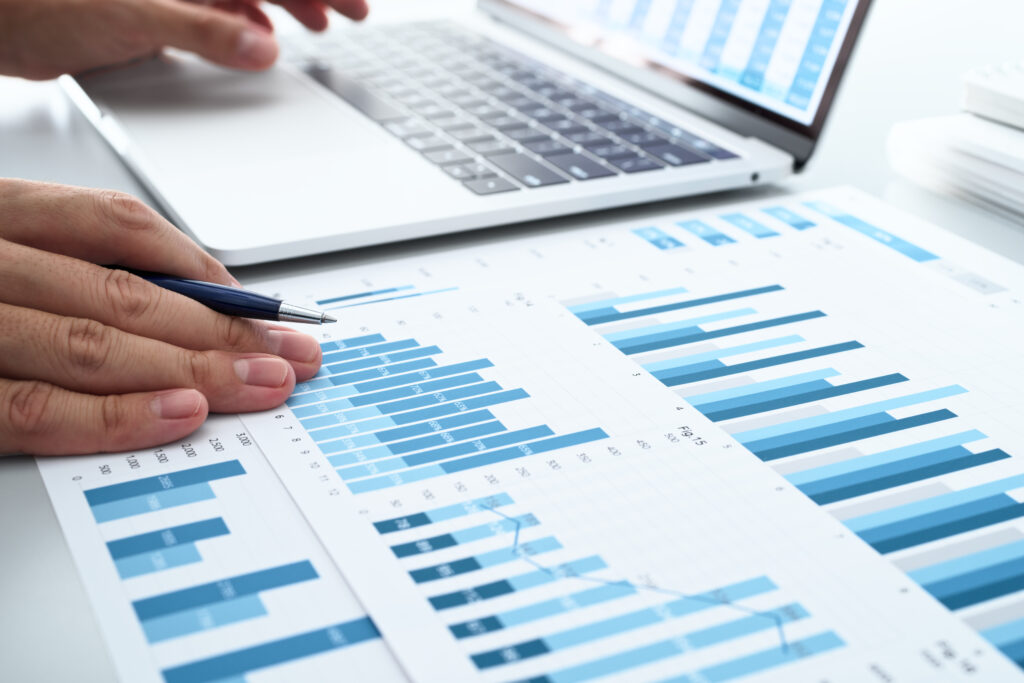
[
  {"x": 28, "y": 406},
  {"x": 113, "y": 416},
  {"x": 239, "y": 333},
  {"x": 87, "y": 345},
  {"x": 197, "y": 366},
  {"x": 128, "y": 295},
  {"x": 125, "y": 210}
]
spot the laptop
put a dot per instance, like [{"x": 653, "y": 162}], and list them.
[{"x": 519, "y": 110}]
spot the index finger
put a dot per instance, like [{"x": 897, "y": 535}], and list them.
[{"x": 101, "y": 226}]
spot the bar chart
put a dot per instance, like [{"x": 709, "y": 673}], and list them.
[
  {"x": 785, "y": 397},
  {"x": 389, "y": 413},
  {"x": 377, "y": 296},
  {"x": 576, "y": 590}
]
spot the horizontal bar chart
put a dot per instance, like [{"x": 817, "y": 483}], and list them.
[
  {"x": 235, "y": 665},
  {"x": 163, "y": 549}
]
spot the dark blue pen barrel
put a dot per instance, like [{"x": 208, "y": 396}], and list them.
[{"x": 226, "y": 300}]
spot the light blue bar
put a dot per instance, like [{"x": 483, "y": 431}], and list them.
[
  {"x": 605, "y": 303},
  {"x": 349, "y": 450},
  {"x": 678, "y": 325},
  {"x": 758, "y": 387},
  {"x": 841, "y": 415},
  {"x": 373, "y": 350},
  {"x": 707, "y": 233},
  {"x": 369, "y": 374},
  {"x": 885, "y": 457},
  {"x": 969, "y": 563},
  {"x": 923, "y": 507},
  {"x": 502, "y": 526},
  {"x": 341, "y": 417},
  {"x": 874, "y": 232},
  {"x": 1005, "y": 634},
  {"x": 791, "y": 218},
  {"x": 327, "y": 434},
  {"x": 502, "y": 555},
  {"x": 772, "y": 657},
  {"x": 764, "y": 46},
  {"x": 721, "y": 28},
  {"x": 395, "y": 479},
  {"x": 683, "y": 362},
  {"x": 658, "y": 238},
  {"x": 816, "y": 51},
  {"x": 321, "y": 395},
  {"x": 748, "y": 224},
  {"x": 351, "y": 342},
  {"x": 376, "y": 398},
  {"x": 157, "y": 560},
  {"x": 580, "y": 599},
  {"x": 203, "y": 619},
  {"x": 542, "y": 576},
  {"x": 462, "y": 509},
  {"x": 119, "y": 509}
]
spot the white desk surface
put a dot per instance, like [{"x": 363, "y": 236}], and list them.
[{"x": 908, "y": 64}]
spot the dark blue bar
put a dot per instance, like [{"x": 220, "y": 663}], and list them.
[
  {"x": 758, "y": 364},
  {"x": 464, "y": 597},
  {"x": 241, "y": 662},
  {"x": 986, "y": 583},
  {"x": 552, "y": 444},
  {"x": 446, "y": 437},
  {"x": 664, "y": 340},
  {"x": 424, "y": 545},
  {"x": 813, "y": 443},
  {"x": 942, "y": 523},
  {"x": 167, "y": 538},
  {"x": 140, "y": 487},
  {"x": 913, "y": 469},
  {"x": 479, "y": 445},
  {"x": 363, "y": 295},
  {"x": 792, "y": 396},
  {"x": 607, "y": 315},
  {"x": 389, "y": 526},
  {"x": 225, "y": 589}
]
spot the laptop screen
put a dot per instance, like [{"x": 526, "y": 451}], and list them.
[{"x": 775, "y": 54}]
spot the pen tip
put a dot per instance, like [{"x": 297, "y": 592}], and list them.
[{"x": 329, "y": 319}]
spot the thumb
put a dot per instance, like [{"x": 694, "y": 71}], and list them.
[{"x": 219, "y": 36}]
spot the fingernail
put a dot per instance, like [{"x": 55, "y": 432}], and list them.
[
  {"x": 256, "y": 47},
  {"x": 262, "y": 372},
  {"x": 177, "y": 405},
  {"x": 293, "y": 345}
]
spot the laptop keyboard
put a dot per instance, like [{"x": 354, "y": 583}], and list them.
[{"x": 488, "y": 116}]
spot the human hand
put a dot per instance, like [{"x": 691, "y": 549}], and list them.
[
  {"x": 93, "y": 359},
  {"x": 42, "y": 39}
]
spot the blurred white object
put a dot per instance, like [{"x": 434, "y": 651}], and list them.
[{"x": 996, "y": 93}]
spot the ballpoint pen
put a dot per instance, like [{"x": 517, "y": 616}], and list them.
[{"x": 238, "y": 302}]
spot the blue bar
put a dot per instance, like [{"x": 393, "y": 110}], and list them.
[
  {"x": 241, "y": 662},
  {"x": 346, "y": 368},
  {"x": 898, "y": 473},
  {"x": 677, "y": 24},
  {"x": 678, "y": 325},
  {"x": 812, "y": 64},
  {"x": 703, "y": 400},
  {"x": 463, "y": 536},
  {"x": 874, "y": 232},
  {"x": 351, "y": 342},
  {"x": 320, "y": 383},
  {"x": 658, "y": 238},
  {"x": 695, "y": 359},
  {"x": 543, "y": 609},
  {"x": 706, "y": 233},
  {"x": 652, "y": 615},
  {"x": 764, "y": 46},
  {"x": 719, "y": 34},
  {"x": 374, "y": 350},
  {"x": 396, "y": 298},
  {"x": 772, "y": 657},
  {"x": 945, "y": 501},
  {"x": 362, "y": 295},
  {"x": 749, "y": 225},
  {"x": 1001, "y": 574},
  {"x": 167, "y": 538},
  {"x": 225, "y": 589},
  {"x": 204, "y": 618},
  {"x": 522, "y": 582},
  {"x": 695, "y": 334},
  {"x": 740, "y": 368},
  {"x": 150, "y": 502},
  {"x": 485, "y": 560},
  {"x": 852, "y": 430},
  {"x": 615, "y": 301},
  {"x": 1005, "y": 634},
  {"x": 377, "y": 397},
  {"x": 442, "y": 514},
  {"x": 442, "y": 453},
  {"x": 885, "y": 457},
  {"x": 943, "y": 523},
  {"x": 157, "y": 560},
  {"x": 542, "y": 446},
  {"x": 788, "y": 428},
  {"x": 163, "y": 482},
  {"x": 609, "y": 314},
  {"x": 342, "y": 446},
  {"x": 421, "y": 443},
  {"x": 792, "y": 396},
  {"x": 792, "y": 218},
  {"x": 968, "y": 564}
]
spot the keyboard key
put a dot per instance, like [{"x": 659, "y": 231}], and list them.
[
  {"x": 580, "y": 167},
  {"x": 459, "y": 171},
  {"x": 525, "y": 134},
  {"x": 428, "y": 143},
  {"x": 448, "y": 156},
  {"x": 547, "y": 147},
  {"x": 621, "y": 126},
  {"x": 541, "y": 114},
  {"x": 471, "y": 134},
  {"x": 565, "y": 126},
  {"x": 520, "y": 101},
  {"x": 503, "y": 121},
  {"x": 485, "y": 110},
  {"x": 358, "y": 95},
  {"x": 457, "y": 123},
  {"x": 675, "y": 155},
  {"x": 636, "y": 164},
  {"x": 643, "y": 138},
  {"x": 408, "y": 128},
  {"x": 588, "y": 138},
  {"x": 527, "y": 171},
  {"x": 492, "y": 146},
  {"x": 595, "y": 114},
  {"x": 490, "y": 185},
  {"x": 611, "y": 151}
]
